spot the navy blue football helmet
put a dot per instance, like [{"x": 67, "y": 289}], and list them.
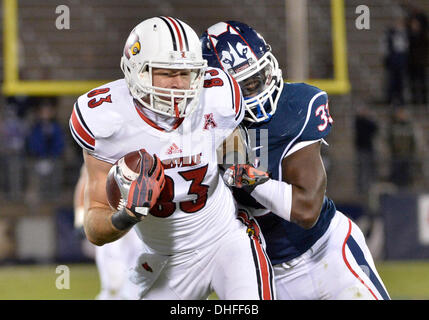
[{"x": 238, "y": 49}]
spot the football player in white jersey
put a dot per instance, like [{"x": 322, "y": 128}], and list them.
[
  {"x": 114, "y": 259},
  {"x": 316, "y": 251},
  {"x": 173, "y": 107}
]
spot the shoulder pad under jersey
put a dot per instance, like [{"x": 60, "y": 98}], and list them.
[
  {"x": 304, "y": 113},
  {"x": 222, "y": 95},
  {"x": 98, "y": 113}
]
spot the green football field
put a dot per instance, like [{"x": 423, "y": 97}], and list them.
[{"x": 404, "y": 280}]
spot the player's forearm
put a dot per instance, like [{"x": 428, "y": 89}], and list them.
[
  {"x": 290, "y": 202},
  {"x": 307, "y": 200},
  {"x": 99, "y": 228},
  {"x": 306, "y": 206},
  {"x": 276, "y": 196}
]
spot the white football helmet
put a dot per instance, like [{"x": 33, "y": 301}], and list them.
[{"x": 163, "y": 42}]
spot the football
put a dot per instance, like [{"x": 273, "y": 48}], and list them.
[{"x": 124, "y": 171}]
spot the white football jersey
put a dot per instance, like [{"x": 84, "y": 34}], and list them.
[{"x": 195, "y": 207}]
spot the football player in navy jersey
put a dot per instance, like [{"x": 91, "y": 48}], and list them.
[{"x": 317, "y": 252}]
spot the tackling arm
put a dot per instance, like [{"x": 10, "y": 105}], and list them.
[
  {"x": 298, "y": 197},
  {"x": 305, "y": 171},
  {"x": 234, "y": 149}
]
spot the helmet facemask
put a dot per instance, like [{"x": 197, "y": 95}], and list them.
[
  {"x": 259, "y": 83},
  {"x": 170, "y": 102}
]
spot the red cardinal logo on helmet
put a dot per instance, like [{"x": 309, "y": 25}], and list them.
[{"x": 132, "y": 47}]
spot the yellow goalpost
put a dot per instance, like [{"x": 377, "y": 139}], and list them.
[
  {"x": 12, "y": 85},
  {"x": 340, "y": 83}
]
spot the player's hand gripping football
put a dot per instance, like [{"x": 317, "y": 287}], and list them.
[
  {"x": 244, "y": 176},
  {"x": 145, "y": 190}
]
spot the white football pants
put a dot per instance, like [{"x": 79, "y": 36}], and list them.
[
  {"x": 339, "y": 266},
  {"x": 236, "y": 267}
]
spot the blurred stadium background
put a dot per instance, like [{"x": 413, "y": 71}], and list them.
[{"x": 318, "y": 41}]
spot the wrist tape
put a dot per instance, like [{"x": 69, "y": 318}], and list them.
[
  {"x": 275, "y": 196},
  {"x": 121, "y": 220}
]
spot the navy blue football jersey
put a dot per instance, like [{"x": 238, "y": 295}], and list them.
[{"x": 302, "y": 115}]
